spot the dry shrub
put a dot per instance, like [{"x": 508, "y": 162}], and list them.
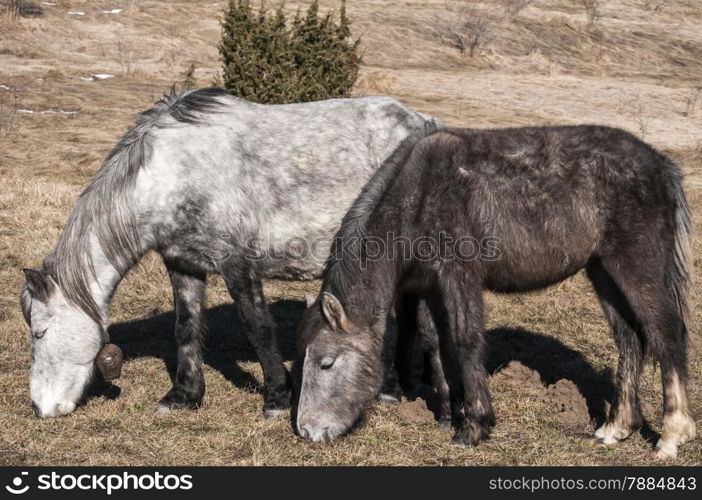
[
  {"x": 470, "y": 34},
  {"x": 127, "y": 58},
  {"x": 514, "y": 7},
  {"x": 654, "y": 5},
  {"x": 9, "y": 103},
  {"x": 188, "y": 80},
  {"x": 22, "y": 8},
  {"x": 13, "y": 8},
  {"x": 592, "y": 10},
  {"x": 635, "y": 110}
]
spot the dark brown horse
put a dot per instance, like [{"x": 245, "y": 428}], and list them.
[{"x": 508, "y": 211}]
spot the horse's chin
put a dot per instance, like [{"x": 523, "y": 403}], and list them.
[{"x": 65, "y": 408}]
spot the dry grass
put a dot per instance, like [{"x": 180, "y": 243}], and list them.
[{"x": 542, "y": 65}]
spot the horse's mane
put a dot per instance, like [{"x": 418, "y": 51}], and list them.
[
  {"x": 342, "y": 268},
  {"x": 105, "y": 208}
]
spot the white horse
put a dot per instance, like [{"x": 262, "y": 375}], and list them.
[{"x": 214, "y": 184}]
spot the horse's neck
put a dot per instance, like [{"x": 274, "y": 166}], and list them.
[
  {"x": 101, "y": 281},
  {"x": 105, "y": 281}
]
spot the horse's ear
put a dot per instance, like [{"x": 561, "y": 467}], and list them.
[
  {"x": 39, "y": 284},
  {"x": 334, "y": 313},
  {"x": 309, "y": 300}
]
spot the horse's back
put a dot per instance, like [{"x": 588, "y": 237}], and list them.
[
  {"x": 549, "y": 199},
  {"x": 275, "y": 174}
]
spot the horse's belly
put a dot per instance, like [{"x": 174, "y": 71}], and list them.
[
  {"x": 524, "y": 269},
  {"x": 296, "y": 258}
]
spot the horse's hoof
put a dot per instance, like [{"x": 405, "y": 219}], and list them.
[
  {"x": 600, "y": 443},
  {"x": 168, "y": 405},
  {"x": 272, "y": 413},
  {"x": 461, "y": 442},
  {"x": 665, "y": 451},
  {"x": 610, "y": 434},
  {"x": 389, "y": 398},
  {"x": 445, "y": 422},
  {"x": 162, "y": 409},
  {"x": 605, "y": 441}
]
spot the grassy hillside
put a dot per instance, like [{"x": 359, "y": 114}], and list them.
[{"x": 638, "y": 66}]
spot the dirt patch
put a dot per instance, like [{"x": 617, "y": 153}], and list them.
[
  {"x": 564, "y": 396},
  {"x": 415, "y": 412}
]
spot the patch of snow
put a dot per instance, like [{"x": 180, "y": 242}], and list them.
[
  {"x": 113, "y": 11},
  {"x": 48, "y": 3},
  {"x": 76, "y": 13},
  {"x": 4, "y": 87},
  {"x": 48, "y": 112},
  {"x": 92, "y": 78}
]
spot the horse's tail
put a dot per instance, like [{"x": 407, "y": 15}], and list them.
[{"x": 678, "y": 270}]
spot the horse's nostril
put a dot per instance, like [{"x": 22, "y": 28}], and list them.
[
  {"x": 304, "y": 432},
  {"x": 36, "y": 409}
]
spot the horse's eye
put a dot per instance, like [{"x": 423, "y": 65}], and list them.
[
  {"x": 38, "y": 335},
  {"x": 327, "y": 363}
]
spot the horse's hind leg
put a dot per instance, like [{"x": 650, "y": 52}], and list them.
[
  {"x": 429, "y": 341},
  {"x": 189, "y": 298},
  {"x": 245, "y": 287},
  {"x": 625, "y": 413},
  {"x": 665, "y": 336},
  {"x": 407, "y": 327}
]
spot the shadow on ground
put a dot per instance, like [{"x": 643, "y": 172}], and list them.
[
  {"x": 226, "y": 345},
  {"x": 553, "y": 360}
]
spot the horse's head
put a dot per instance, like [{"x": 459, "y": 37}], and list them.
[
  {"x": 67, "y": 344},
  {"x": 342, "y": 370}
]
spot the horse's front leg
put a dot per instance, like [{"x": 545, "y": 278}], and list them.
[
  {"x": 462, "y": 345},
  {"x": 189, "y": 299},
  {"x": 245, "y": 287}
]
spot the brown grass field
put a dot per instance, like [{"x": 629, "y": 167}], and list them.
[{"x": 639, "y": 67}]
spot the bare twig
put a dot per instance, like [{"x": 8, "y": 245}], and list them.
[
  {"x": 126, "y": 56},
  {"x": 693, "y": 97}
]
